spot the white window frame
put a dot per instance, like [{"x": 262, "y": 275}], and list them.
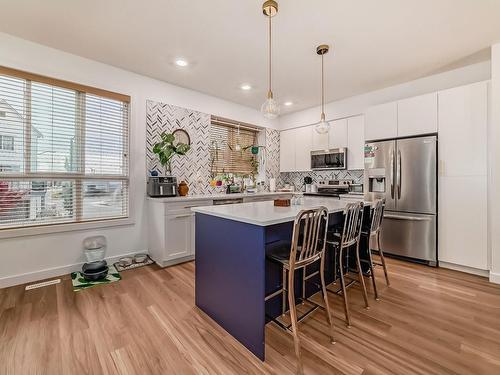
[{"x": 78, "y": 177}]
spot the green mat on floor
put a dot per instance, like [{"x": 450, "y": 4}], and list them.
[{"x": 79, "y": 283}]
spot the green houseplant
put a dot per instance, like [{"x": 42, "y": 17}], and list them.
[{"x": 166, "y": 149}]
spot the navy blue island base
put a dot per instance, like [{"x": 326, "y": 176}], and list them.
[{"x": 233, "y": 276}]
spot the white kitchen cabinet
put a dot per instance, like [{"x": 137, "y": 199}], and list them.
[
  {"x": 303, "y": 145},
  {"x": 418, "y": 115},
  {"x": 171, "y": 231},
  {"x": 337, "y": 136},
  {"x": 462, "y": 132},
  {"x": 381, "y": 121},
  {"x": 319, "y": 141},
  {"x": 355, "y": 142},
  {"x": 287, "y": 150},
  {"x": 463, "y": 120},
  {"x": 180, "y": 235},
  {"x": 463, "y": 221}
]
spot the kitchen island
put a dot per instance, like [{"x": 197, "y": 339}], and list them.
[{"x": 232, "y": 273}]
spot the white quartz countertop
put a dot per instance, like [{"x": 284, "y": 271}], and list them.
[
  {"x": 265, "y": 213},
  {"x": 217, "y": 196}
]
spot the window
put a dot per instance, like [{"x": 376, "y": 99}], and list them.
[
  {"x": 6, "y": 143},
  {"x": 231, "y": 147},
  {"x": 68, "y": 159}
]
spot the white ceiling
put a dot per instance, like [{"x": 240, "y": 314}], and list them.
[{"x": 376, "y": 43}]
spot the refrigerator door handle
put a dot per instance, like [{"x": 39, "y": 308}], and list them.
[
  {"x": 398, "y": 173},
  {"x": 392, "y": 174},
  {"x": 401, "y": 217}
]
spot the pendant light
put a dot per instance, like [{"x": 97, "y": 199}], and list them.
[
  {"x": 270, "y": 109},
  {"x": 323, "y": 126}
]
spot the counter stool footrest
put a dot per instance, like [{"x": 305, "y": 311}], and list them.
[{"x": 301, "y": 317}]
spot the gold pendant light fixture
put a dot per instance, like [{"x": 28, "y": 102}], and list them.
[
  {"x": 270, "y": 109},
  {"x": 323, "y": 126}
]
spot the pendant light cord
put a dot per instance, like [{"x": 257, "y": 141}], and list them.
[
  {"x": 322, "y": 87},
  {"x": 270, "y": 93}
]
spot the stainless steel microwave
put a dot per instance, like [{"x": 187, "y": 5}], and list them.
[{"x": 335, "y": 158}]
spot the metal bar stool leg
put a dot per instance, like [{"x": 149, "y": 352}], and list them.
[
  {"x": 361, "y": 277},
  {"x": 325, "y": 299},
  {"x": 372, "y": 273},
  {"x": 293, "y": 318},
  {"x": 304, "y": 274},
  {"x": 283, "y": 291},
  {"x": 381, "y": 252},
  {"x": 344, "y": 289}
]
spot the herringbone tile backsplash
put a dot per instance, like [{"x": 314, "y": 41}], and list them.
[{"x": 194, "y": 167}]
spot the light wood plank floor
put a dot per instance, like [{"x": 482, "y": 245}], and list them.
[{"x": 430, "y": 321}]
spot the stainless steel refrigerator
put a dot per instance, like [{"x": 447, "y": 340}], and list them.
[{"x": 404, "y": 172}]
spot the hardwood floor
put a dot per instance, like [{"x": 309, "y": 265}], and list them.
[{"x": 429, "y": 321}]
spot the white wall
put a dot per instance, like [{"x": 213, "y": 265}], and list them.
[
  {"x": 357, "y": 104},
  {"x": 41, "y": 256},
  {"x": 494, "y": 166}
]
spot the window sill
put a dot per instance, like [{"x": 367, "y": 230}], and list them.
[{"x": 60, "y": 228}]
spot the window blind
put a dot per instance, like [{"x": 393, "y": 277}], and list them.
[
  {"x": 230, "y": 147},
  {"x": 63, "y": 153}
]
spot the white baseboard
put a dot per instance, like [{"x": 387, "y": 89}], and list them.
[
  {"x": 52, "y": 272},
  {"x": 495, "y": 278},
  {"x": 471, "y": 270},
  {"x": 174, "y": 262}
]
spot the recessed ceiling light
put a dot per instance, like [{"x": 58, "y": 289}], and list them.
[
  {"x": 245, "y": 87},
  {"x": 181, "y": 62},
  {"x": 288, "y": 104}
]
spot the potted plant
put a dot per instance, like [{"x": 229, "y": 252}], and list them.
[{"x": 166, "y": 149}]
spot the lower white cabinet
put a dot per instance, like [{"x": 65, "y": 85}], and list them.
[
  {"x": 171, "y": 231},
  {"x": 179, "y": 230},
  {"x": 463, "y": 221}
]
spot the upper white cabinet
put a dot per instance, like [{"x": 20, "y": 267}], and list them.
[
  {"x": 381, "y": 121},
  {"x": 463, "y": 120},
  {"x": 418, "y": 115},
  {"x": 355, "y": 142},
  {"x": 337, "y": 136},
  {"x": 287, "y": 151},
  {"x": 296, "y": 144},
  {"x": 303, "y": 145},
  {"x": 295, "y": 149},
  {"x": 319, "y": 141}
]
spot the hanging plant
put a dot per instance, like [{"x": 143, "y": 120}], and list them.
[{"x": 166, "y": 149}]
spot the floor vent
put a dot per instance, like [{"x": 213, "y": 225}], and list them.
[{"x": 42, "y": 284}]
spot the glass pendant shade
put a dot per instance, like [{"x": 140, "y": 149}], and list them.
[
  {"x": 322, "y": 127},
  {"x": 270, "y": 109}
]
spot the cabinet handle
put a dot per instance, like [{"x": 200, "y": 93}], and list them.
[{"x": 181, "y": 216}]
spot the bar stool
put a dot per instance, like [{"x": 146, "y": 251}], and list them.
[
  {"x": 342, "y": 243},
  {"x": 307, "y": 248},
  {"x": 374, "y": 232}
]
